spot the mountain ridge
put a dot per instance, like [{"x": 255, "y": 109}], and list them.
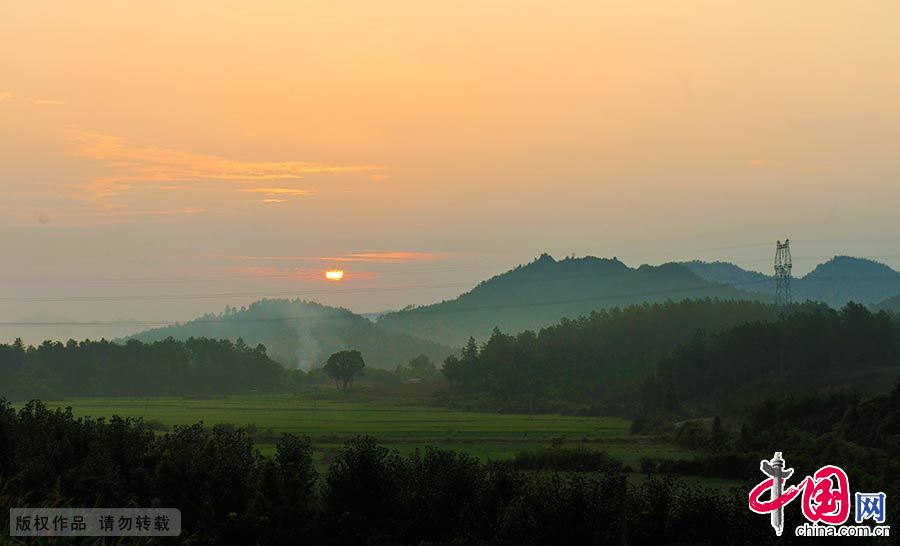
[
  {"x": 836, "y": 281},
  {"x": 553, "y": 289}
]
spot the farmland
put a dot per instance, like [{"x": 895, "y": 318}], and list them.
[{"x": 398, "y": 421}]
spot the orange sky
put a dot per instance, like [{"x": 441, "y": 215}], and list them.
[{"x": 151, "y": 139}]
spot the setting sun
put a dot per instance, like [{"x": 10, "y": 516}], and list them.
[{"x": 334, "y": 274}]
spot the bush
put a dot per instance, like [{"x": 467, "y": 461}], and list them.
[{"x": 578, "y": 459}]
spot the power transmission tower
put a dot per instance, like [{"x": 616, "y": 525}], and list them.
[{"x": 783, "y": 273}]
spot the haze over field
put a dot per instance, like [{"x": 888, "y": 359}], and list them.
[{"x": 161, "y": 161}]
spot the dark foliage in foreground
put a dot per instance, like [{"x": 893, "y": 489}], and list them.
[
  {"x": 859, "y": 434},
  {"x": 579, "y": 459},
  {"x": 229, "y": 494}
]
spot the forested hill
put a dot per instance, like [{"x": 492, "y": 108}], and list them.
[
  {"x": 597, "y": 359},
  {"x": 686, "y": 358},
  {"x": 301, "y": 334},
  {"x": 843, "y": 279},
  {"x": 836, "y": 282},
  {"x": 544, "y": 291},
  {"x": 810, "y": 350}
]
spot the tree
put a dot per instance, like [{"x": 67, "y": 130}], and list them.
[
  {"x": 421, "y": 365},
  {"x": 718, "y": 436},
  {"x": 343, "y": 367},
  {"x": 470, "y": 352},
  {"x": 452, "y": 369},
  {"x": 293, "y": 455},
  {"x": 363, "y": 490}
]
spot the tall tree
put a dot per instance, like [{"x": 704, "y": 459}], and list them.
[{"x": 343, "y": 367}]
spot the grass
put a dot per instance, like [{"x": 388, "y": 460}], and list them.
[{"x": 400, "y": 420}]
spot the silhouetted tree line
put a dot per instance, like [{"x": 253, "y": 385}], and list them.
[
  {"x": 593, "y": 358},
  {"x": 861, "y": 434},
  {"x": 817, "y": 348},
  {"x": 168, "y": 367},
  {"x": 802, "y": 385},
  {"x": 854, "y": 430},
  {"x": 229, "y": 494}
]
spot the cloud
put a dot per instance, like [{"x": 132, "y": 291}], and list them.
[
  {"x": 299, "y": 273},
  {"x": 129, "y": 164},
  {"x": 158, "y": 212},
  {"x": 396, "y": 256},
  {"x": 274, "y": 200},
  {"x": 6, "y": 96},
  {"x": 278, "y": 191},
  {"x": 48, "y": 102},
  {"x": 387, "y": 257}
]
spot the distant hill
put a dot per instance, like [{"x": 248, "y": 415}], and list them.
[
  {"x": 728, "y": 273},
  {"x": 36, "y": 327},
  {"x": 542, "y": 292},
  {"x": 301, "y": 334},
  {"x": 844, "y": 278},
  {"x": 891, "y": 304},
  {"x": 839, "y": 280}
]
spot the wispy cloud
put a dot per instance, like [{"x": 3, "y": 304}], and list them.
[
  {"x": 299, "y": 273},
  {"x": 386, "y": 257},
  {"x": 6, "y": 96},
  {"x": 47, "y": 102},
  {"x": 278, "y": 191},
  {"x": 274, "y": 200},
  {"x": 129, "y": 164},
  {"x": 396, "y": 256},
  {"x": 158, "y": 212}
]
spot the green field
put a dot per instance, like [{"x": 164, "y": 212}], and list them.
[{"x": 330, "y": 419}]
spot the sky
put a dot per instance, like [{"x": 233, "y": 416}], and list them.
[{"x": 159, "y": 160}]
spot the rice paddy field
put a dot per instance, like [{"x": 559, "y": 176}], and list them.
[{"x": 398, "y": 422}]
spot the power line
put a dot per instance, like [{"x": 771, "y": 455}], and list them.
[
  {"x": 287, "y": 275},
  {"x": 427, "y": 309},
  {"x": 290, "y": 275},
  {"x": 47, "y": 299},
  {"x": 295, "y": 293},
  {"x": 424, "y": 309},
  {"x": 293, "y": 275}
]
